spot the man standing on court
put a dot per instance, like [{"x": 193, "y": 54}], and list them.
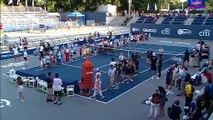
[
  {"x": 57, "y": 87},
  {"x": 111, "y": 74},
  {"x": 153, "y": 61},
  {"x": 49, "y": 80}
]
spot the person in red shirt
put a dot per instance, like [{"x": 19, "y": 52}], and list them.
[
  {"x": 208, "y": 75},
  {"x": 67, "y": 55},
  {"x": 52, "y": 59}
]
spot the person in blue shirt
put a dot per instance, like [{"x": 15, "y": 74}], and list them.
[
  {"x": 208, "y": 93},
  {"x": 47, "y": 60},
  {"x": 59, "y": 57}
]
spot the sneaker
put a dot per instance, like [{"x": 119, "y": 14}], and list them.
[
  {"x": 116, "y": 88},
  {"x": 18, "y": 97},
  {"x": 157, "y": 78},
  {"x": 102, "y": 97},
  {"x": 93, "y": 97},
  {"x": 149, "y": 116},
  {"x": 55, "y": 102},
  {"x": 152, "y": 77},
  {"x": 22, "y": 100},
  {"x": 59, "y": 103},
  {"x": 131, "y": 80}
]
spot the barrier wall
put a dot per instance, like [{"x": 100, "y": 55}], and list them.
[
  {"x": 7, "y": 55},
  {"x": 175, "y": 31},
  {"x": 99, "y": 17}
]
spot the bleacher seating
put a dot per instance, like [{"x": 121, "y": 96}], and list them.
[
  {"x": 146, "y": 19},
  {"x": 199, "y": 19},
  {"x": 19, "y": 18},
  {"x": 150, "y": 19},
  {"x": 209, "y": 21},
  {"x": 141, "y": 19},
  {"x": 180, "y": 19},
  {"x": 167, "y": 20}
]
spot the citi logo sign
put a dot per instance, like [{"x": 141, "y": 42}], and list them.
[{"x": 205, "y": 33}]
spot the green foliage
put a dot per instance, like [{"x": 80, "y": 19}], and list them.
[
  {"x": 209, "y": 5},
  {"x": 92, "y": 5}
]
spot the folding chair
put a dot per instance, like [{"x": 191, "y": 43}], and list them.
[
  {"x": 31, "y": 82},
  {"x": 70, "y": 90}
]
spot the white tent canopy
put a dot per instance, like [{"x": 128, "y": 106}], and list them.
[{"x": 110, "y": 9}]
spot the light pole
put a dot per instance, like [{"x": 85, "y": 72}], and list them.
[
  {"x": 129, "y": 9},
  {"x": 182, "y": 2}
]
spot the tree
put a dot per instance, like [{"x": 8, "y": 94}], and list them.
[{"x": 209, "y": 5}]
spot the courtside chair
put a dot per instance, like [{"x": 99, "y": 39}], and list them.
[
  {"x": 70, "y": 90},
  {"x": 25, "y": 81},
  {"x": 31, "y": 82},
  {"x": 13, "y": 76},
  {"x": 39, "y": 83}
]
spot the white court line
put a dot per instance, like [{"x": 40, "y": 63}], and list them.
[
  {"x": 72, "y": 66},
  {"x": 166, "y": 45},
  {"x": 12, "y": 59},
  {"x": 172, "y": 52},
  {"x": 89, "y": 98}
]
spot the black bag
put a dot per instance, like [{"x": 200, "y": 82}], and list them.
[
  {"x": 188, "y": 77},
  {"x": 169, "y": 112}
]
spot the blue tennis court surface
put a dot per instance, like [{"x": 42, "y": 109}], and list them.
[{"x": 70, "y": 73}]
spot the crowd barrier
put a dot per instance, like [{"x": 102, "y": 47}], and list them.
[
  {"x": 7, "y": 55},
  {"x": 175, "y": 31}
]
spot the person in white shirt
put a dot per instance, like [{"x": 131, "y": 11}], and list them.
[
  {"x": 161, "y": 51},
  {"x": 25, "y": 57},
  {"x": 112, "y": 62},
  {"x": 15, "y": 53},
  {"x": 57, "y": 88},
  {"x": 111, "y": 74},
  {"x": 41, "y": 50},
  {"x": 121, "y": 57}
]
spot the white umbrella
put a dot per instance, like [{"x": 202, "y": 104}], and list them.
[
  {"x": 156, "y": 8},
  {"x": 10, "y": 2},
  {"x": 148, "y": 7},
  {"x": 168, "y": 6}
]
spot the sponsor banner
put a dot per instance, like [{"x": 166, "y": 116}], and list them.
[
  {"x": 196, "y": 4},
  {"x": 175, "y": 31},
  {"x": 7, "y": 55}
]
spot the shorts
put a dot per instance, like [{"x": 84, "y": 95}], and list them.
[
  {"x": 20, "y": 88},
  {"x": 25, "y": 58},
  {"x": 57, "y": 93},
  {"x": 154, "y": 68},
  {"x": 49, "y": 91},
  {"x": 111, "y": 79}
]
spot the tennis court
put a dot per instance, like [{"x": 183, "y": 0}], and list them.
[{"x": 70, "y": 73}]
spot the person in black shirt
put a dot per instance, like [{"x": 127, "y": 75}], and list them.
[
  {"x": 176, "y": 110},
  {"x": 160, "y": 64},
  {"x": 186, "y": 58},
  {"x": 49, "y": 81},
  {"x": 137, "y": 62},
  {"x": 153, "y": 61},
  {"x": 149, "y": 55}
]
